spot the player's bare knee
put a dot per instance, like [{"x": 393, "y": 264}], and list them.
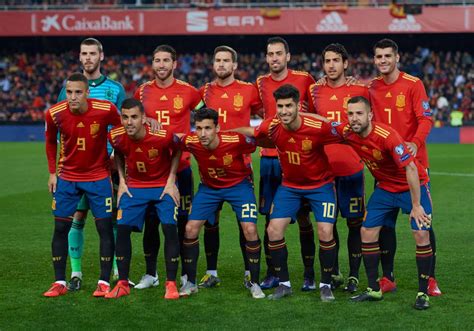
[
  {"x": 192, "y": 228},
  {"x": 274, "y": 231},
  {"x": 325, "y": 231},
  {"x": 250, "y": 231},
  {"x": 422, "y": 237},
  {"x": 369, "y": 234}
]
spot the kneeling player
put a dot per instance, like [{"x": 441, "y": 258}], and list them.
[
  {"x": 151, "y": 177},
  {"x": 401, "y": 184},
  {"x": 225, "y": 176}
]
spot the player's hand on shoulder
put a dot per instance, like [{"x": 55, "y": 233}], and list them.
[
  {"x": 322, "y": 81},
  {"x": 351, "y": 80},
  {"x": 172, "y": 190},
  {"x": 412, "y": 148},
  {"x": 154, "y": 125},
  {"x": 122, "y": 189},
  {"x": 52, "y": 183},
  {"x": 421, "y": 218}
]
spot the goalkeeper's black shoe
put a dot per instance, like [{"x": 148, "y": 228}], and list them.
[
  {"x": 74, "y": 284},
  {"x": 368, "y": 295},
  {"x": 422, "y": 301}
]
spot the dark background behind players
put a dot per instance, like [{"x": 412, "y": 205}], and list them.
[{"x": 32, "y": 76}]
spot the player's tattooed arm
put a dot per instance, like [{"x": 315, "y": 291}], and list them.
[{"x": 417, "y": 212}]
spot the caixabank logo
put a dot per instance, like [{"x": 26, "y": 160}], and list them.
[{"x": 58, "y": 23}]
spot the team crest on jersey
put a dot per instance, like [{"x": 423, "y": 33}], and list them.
[
  {"x": 109, "y": 94},
  {"x": 227, "y": 160},
  {"x": 346, "y": 100},
  {"x": 399, "y": 149},
  {"x": 94, "y": 129},
  {"x": 152, "y": 153},
  {"x": 377, "y": 154},
  {"x": 238, "y": 101},
  {"x": 178, "y": 103},
  {"x": 306, "y": 145},
  {"x": 400, "y": 103}
]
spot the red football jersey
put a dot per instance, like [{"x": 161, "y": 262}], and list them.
[
  {"x": 223, "y": 166},
  {"x": 301, "y": 153},
  {"x": 404, "y": 106},
  {"x": 266, "y": 85},
  {"x": 385, "y": 154},
  {"x": 171, "y": 106},
  {"x": 148, "y": 161},
  {"x": 234, "y": 102},
  {"x": 83, "y": 140},
  {"x": 331, "y": 102}
]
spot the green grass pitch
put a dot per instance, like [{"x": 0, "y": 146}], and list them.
[{"x": 26, "y": 272}]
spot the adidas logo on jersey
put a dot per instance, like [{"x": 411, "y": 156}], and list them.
[
  {"x": 80, "y": 125},
  {"x": 388, "y": 95},
  {"x": 163, "y": 98},
  {"x": 225, "y": 96},
  {"x": 212, "y": 157},
  {"x": 332, "y": 22},
  {"x": 291, "y": 140},
  {"x": 333, "y": 98},
  {"x": 138, "y": 150},
  {"x": 404, "y": 24}
]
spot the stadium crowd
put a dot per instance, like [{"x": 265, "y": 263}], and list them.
[{"x": 29, "y": 84}]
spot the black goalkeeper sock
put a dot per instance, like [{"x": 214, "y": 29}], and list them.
[
  {"x": 243, "y": 243},
  {"x": 388, "y": 247},
  {"x": 268, "y": 255},
  {"x": 371, "y": 256},
  {"x": 335, "y": 270},
  {"x": 433, "y": 247},
  {"x": 182, "y": 221}
]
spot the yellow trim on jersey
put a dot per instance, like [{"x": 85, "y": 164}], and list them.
[
  {"x": 160, "y": 133},
  {"x": 183, "y": 83},
  {"x": 101, "y": 105},
  {"x": 410, "y": 77},
  {"x": 299, "y": 72},
  {"x": 312, "y": 123},
  {"x": 381, "y": 132},
  {"x": 243, "y": 82}
]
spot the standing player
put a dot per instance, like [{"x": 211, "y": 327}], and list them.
[
  {"x": 170, "y": 101},
  {"x": 330, "y": 100},
  {"x": 235, "y": 101},
  {"x": 150, "y": 180},
  {"x": 102, "y": 88},
  {"x": 299, "y": 140},
  {"x": 83, "y": 168},
  {"x": 278, "y": 56},
  {"x": 225, "y": 176},
  {"x": 401, "y": 184},
  {"x": 400, "y": 101}
]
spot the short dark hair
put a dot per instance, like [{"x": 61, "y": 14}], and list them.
[
  {"x": 167, "y": 49},
  {"x": 131, "y": 103},
  {"x": 287, "y": 91},
  {"x": 278, "y": 40},
  {"x": 206, "y": 114},
  {"x": 78, "y": 77},
  {"x": 93, "y": 42},
  {"x": 386, "y": 43},
  {"x": 358, "y": 99},
  {"x": 229, "y": 49},
  {"x": 338, "y": 49}
]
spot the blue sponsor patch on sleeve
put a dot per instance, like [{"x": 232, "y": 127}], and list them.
[
  {"x": 425, "y": 105},
  {"x": 427, "y": 113},
  {"x": 404, "y": 157},
  {"x": 335, "y": 123},
  {"x": 399, "y": 149}
]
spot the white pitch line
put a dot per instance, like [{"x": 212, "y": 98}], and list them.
[{"x": 454, "y": 174}]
